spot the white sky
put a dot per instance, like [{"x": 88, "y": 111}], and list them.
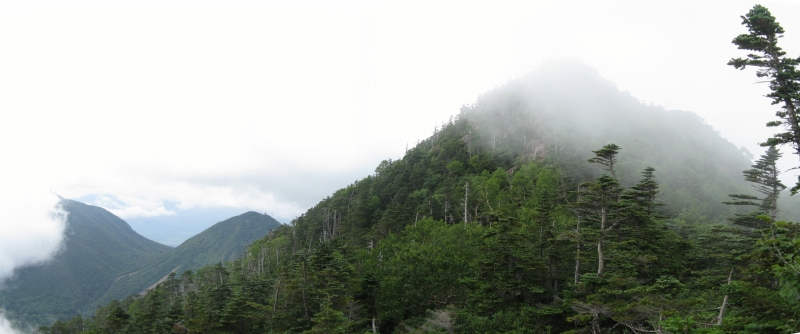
[{"x": 276, "y": 104}]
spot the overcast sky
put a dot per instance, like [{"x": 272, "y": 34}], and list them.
[{"x": 272, "y": 105}]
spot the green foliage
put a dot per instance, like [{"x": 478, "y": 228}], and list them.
[
  {"x": 780, "y": 247},
  {"x": 687, "y": 325},
  {"x": 425, "y": 267},
  {"x": 328, "y": 320},
  {"x": 644, "y": 195},
  {"x": 606, "y": 157}
]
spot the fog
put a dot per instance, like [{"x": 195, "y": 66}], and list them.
[
  {"x": 164, "y": 106},
  {"x": 5, "y": 325},
  {"x": 31, "y": 231}
]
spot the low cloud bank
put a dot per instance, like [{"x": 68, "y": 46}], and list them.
[
  {"x": 6, "y": 327},
  {"x": 31, "y": 233}
]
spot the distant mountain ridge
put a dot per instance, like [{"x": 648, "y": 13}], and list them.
[
  {"x": 105, "y": 259},
  {"x": 224, "y": 241}
]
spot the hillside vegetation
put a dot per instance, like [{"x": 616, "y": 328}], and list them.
[
  {"x": 224, "y": 241},
  {"x": 499, "y": 223}
]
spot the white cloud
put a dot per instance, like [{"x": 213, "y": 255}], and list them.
[
  {"x": 31, "y": 231},
  {"x": 14, "y": 327},
  {"x": 137, "y": 211},
  {"x": 128, "y": 207},
  {"x": 6, "y": 326},
  {"x": 31, "y": 224}
]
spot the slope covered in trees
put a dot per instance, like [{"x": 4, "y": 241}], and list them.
[
  {"x": 98, "y": 248},
  {"x": 224, "y": 241},
  {"x": 515, "y": 217}
]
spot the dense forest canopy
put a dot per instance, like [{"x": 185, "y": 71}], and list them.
[{"x": 552, "y": 204}]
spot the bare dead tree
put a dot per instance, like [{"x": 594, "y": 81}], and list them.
[
  {"x": 437, "y": 320},
  {"x": 466, "y": 205},
  {"x": 724, "y": 302},
  {"x": 594, "y": 310}
]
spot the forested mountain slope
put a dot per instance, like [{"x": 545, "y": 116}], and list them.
[
  {"x": 499, "y": 223},
  {"x": 224, "y": 241},
  {"x": 98, "y": 248}
]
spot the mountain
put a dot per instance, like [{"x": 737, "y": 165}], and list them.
[
  {"x": 565, "y": 110},
  {"x": 224, "y": 241},
  {"x": 499, "y": 223},
  {"x": 98, "y": 247}
]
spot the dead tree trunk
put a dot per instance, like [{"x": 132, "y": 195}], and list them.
[
  {"x": 466, "y": 194},
  {"x": 601, "y": 263},
  {"x": 578, "y": 256},
  {"x": 724, "y": 301}
]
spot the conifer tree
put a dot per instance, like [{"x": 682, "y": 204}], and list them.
[
  {"x": 644, "y": 194},
  {"x": 600, "y": 200},
  {"x": 508, "y": 266},
  {"x": 645, "y": 240},
  {"x": 782, "y": 241},
  {"x": 771, "y": 61},
  {"x": 764, "y": 174},
  {"x": 328, "y": 320},
  {"x": 606, "y": 157},
  {"x": 600, "y": 205},
  {"x": 117, "y": 318}
]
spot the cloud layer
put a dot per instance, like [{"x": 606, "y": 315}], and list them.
[{"x": 31, "y": 231}]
